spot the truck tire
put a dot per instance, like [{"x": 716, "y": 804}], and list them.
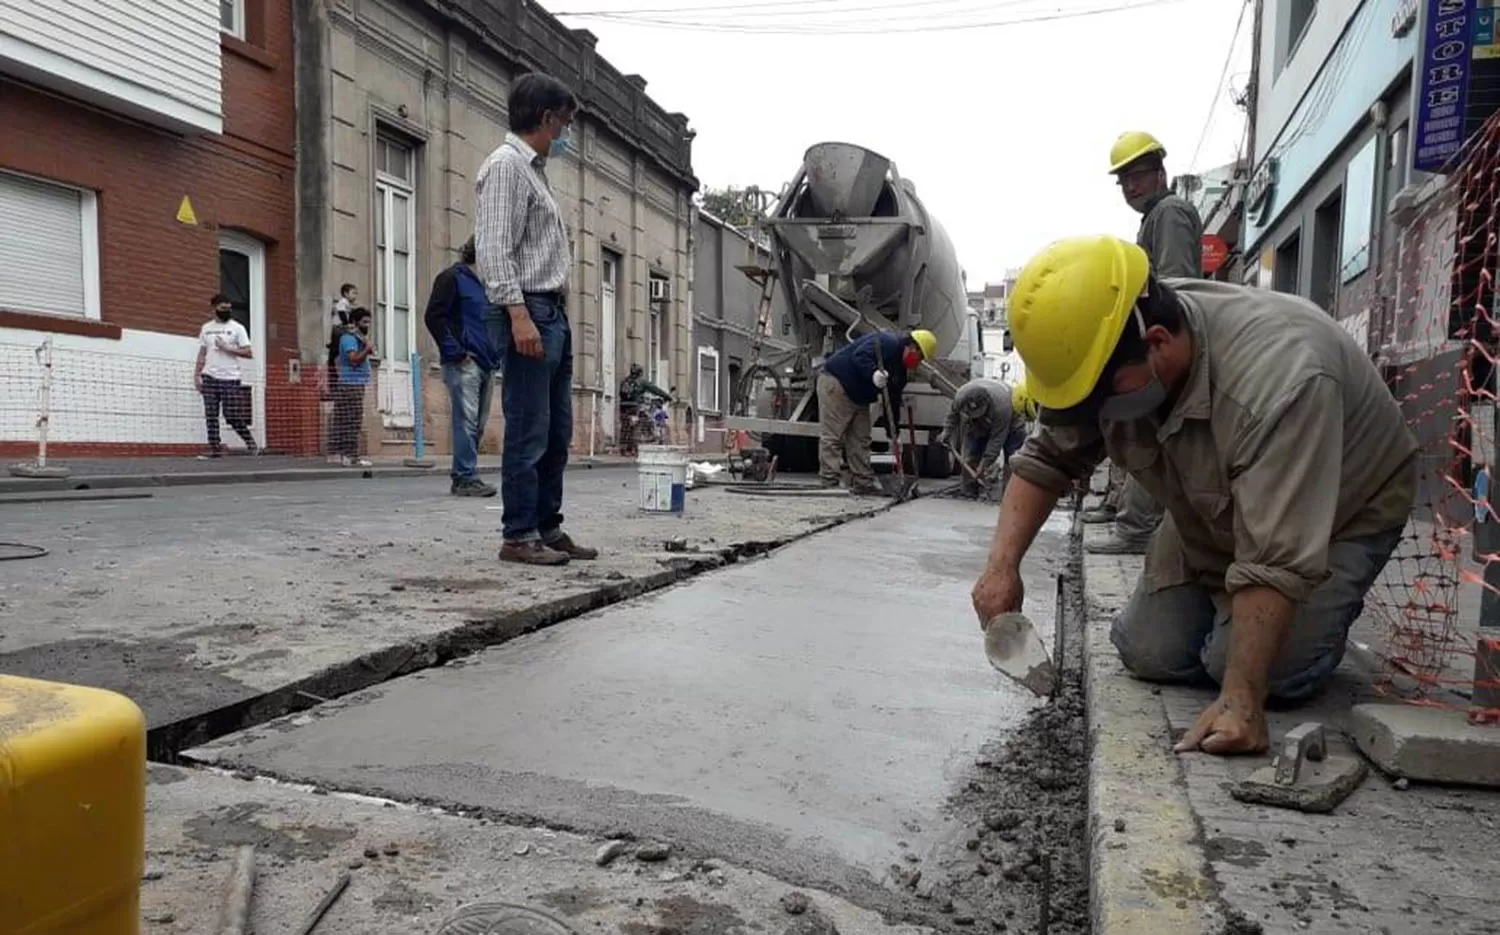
[
  {"x": 795, "y": 454},
  {"x": 935, "y": 461}
]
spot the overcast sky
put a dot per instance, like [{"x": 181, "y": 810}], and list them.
[{"x": 1004, "y": 130}]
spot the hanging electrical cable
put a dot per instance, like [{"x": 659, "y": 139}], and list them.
[
  {"x": 919, "y": 24},
  {"x": 1213, "y": 104}
]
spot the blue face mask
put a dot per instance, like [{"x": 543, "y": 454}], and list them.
[
  {"x": 1139, "y": 403},
  {"x": 563, "y": 144}
]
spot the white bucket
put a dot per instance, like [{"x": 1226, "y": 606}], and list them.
[{"x": 663, "y": 473}]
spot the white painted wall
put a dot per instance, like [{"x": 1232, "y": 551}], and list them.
[
  {"x": 1284, "y": 79},
  {"x": 137, "y": 390},
  {"x": 157, "y": 60}
]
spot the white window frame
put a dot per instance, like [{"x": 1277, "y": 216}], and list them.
[
  {"x": 88, "y": 207},
  {"x": 714, "y": 407},
  {"x": 237, "y": 27},
  {"x": 387, "y": 187}
]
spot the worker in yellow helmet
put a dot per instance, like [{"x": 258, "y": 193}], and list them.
[
  {"x": 854, "y": 378},
  {"x": 1171, "y": 233},
  {"x": 1285, "y": 464},
  {"x": 1022, "y": 401}
]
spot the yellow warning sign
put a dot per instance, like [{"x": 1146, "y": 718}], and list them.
[{"x": 185, "y": 214}]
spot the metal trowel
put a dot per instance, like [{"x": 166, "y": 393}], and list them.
[{"x": 1016, "y": 650}]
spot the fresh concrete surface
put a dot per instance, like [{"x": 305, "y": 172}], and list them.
[
  {"x": 809, "y": 713},
  {"x": 439, "y": 862},
  {"x": 1412, "y": 862},
  {"x": 205, "y": 597},
  {"x": 1428, "y": 744}
]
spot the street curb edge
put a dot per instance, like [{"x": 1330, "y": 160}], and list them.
[{"x": 1152, "y": 877}]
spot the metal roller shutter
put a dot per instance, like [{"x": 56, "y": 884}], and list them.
[{"x": 41, "y": 247}]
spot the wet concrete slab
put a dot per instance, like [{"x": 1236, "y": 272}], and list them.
[
  {"x": 202, "y": 599},
  {"x": 810, "y": 712}
]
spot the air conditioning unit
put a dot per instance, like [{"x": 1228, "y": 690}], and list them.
[{"x": 661, "y": 290}]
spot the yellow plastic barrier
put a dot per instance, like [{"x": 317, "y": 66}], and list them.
[{"x": 72, "y": 810}]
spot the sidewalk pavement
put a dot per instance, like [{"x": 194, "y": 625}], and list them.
[
  {"x": 1174, "y": 854},
  {"x": 240, "y": 468}
]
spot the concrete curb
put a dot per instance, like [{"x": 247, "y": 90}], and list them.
[
  {"x": 1153, "y": 877},
  {"x": 12, "y": 485},
  {"x": 165, "y": 742}
]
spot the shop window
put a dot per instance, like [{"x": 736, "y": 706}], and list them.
[
  {"x": 1397, "y": 175},
  {"x": 49, "y": 248},
  {"x": 1359, "y": 205},
  {"x": 1288, "y": 269},
  {"x": 1323, "y": 287}
]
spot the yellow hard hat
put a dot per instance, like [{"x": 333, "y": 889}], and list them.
[
  {"x": 927, "y": 341},
  {"x": 1021, "y": 400},
  {"x": 1068, "y": 310},
  {"x": 1132, "y": 146}
]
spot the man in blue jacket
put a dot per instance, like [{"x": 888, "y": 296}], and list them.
[
  {"x": 457, "y": 320},
  {"x": 854, "y": 378}
]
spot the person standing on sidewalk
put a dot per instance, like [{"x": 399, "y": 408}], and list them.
[
  {"x": 1172, "y": 235},
  {"x": 854, "y": 378},
  {"x": 355, "y": 351},
  {"x": 222, "y": 344},
  {"x": 524, "y": 259},
  {"x": 1285, "y": 464},
  {"x": 457, "y": 317}
]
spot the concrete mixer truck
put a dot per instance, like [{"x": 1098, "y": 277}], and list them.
[{"x": 854, "y": 250}]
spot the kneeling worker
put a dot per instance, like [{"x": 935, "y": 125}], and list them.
[
  {"x": 984, "y": 424},
  {"x": 852, "y": 380},
  {"x": 1285, "y": 466}
]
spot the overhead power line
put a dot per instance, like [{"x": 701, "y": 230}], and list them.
[
  {"x": 801, "y": 8},
  {"x": 919, "y": 24},
  {"x": 1213, "y": 104}
]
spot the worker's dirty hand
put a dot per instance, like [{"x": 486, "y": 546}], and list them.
[
  {"x": 998, "y": 591},
  {"x": 1233, "y": 724},
  {"x": 880, "y": 379}
]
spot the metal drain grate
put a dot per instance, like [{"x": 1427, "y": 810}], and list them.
[{"x": 502, "y": 919}]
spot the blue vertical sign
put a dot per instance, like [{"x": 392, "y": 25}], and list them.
[{"x": 1444, "y": 83}]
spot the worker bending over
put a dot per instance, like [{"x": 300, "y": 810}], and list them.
[
  {"x": 1284, "y": 463},
  {"x": 1171, "y": 233},
  {"x": 855, "y": 377},
  {"x": 985, "y": 423}
]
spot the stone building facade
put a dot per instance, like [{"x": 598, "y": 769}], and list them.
[{"x": 400, "y": 103}]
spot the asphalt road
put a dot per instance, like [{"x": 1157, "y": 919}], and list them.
[{"x": 809, "y": 714}]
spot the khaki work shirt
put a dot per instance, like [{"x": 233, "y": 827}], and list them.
[
  {"x": 1172, "y": 235},
  {"x": 1284, "y": 439}
]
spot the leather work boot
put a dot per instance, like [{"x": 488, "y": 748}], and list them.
[
  {"x": 565, "y": 544},
  {"x": 532, "y": 552},
  {"x": 1099, "y": 515},
  {"x": 1114, "y": 545}
]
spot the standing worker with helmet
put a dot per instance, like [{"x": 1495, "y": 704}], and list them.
[
  {"x": 1172, "y": 235},
  {"x": 1285, "y": 464},
  {"x": 853, "y": 379},
  {"x": 987, "y": 420}
]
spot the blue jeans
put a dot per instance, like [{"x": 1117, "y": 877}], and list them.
[
  {"x": 470, "y": 387},
  {"x": 537, "y": 396},
  {"x": 1181, "y": 633}
]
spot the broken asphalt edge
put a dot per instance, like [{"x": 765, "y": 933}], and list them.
[
  {"x": 1153, "y": 877},
  {"x": 164, "y": 742},
  {"x": 85, "y": 482}
]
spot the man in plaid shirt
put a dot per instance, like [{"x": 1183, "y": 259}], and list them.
[{"x": 524, "y": 260}]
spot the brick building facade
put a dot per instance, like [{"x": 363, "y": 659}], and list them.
[{"x": 147, "y": 186}]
